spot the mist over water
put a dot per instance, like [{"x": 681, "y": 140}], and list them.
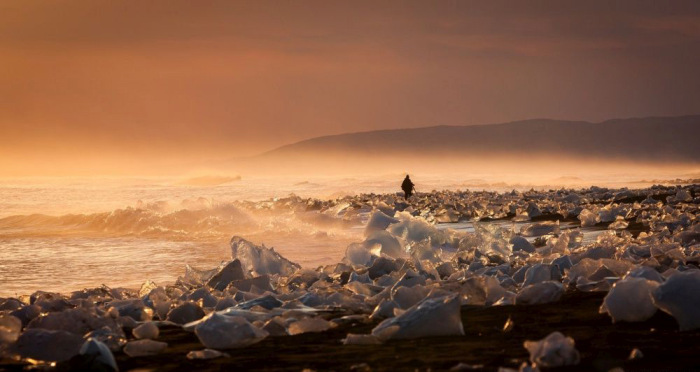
[{"x": 71, "y": 233}]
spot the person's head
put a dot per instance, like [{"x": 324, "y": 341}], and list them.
[{"x": 407, "y": 176}]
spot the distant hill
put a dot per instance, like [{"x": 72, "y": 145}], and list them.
[{"x": 656, "y": 139}]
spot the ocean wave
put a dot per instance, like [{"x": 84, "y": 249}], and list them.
[{"x": 190, "y": 219}]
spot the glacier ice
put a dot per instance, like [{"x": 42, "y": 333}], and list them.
[
  {"x": 539, "y": 229},
  {"x": 540, "y": 293},
  {"x": 629, "y": 300},
  {"x": 521, "y": 244},
  {"x": 133, "y": 308},
  {"x": 358, "y": 254},
  {"x": 227, "y": 332},
  {"x": 146, "y": 330},
  {"x": 47, "y": 345},
  {"x": 229, "y": 273},
  {"x": 360, "y": 339},
  {"x": 382, "y": 243},
  {"x": 206, "y": 354},
  {"x": 260, "y": 259},
  {"x": 555, "y": 350},
  {"x": 588, "y": 218},
  {"x": 10, "y": 328},
  {"x": 679, "y": 296},
  {"x": 100, "y": 353},
  {"x": 144, "y": 347},
  {"x": 378, "y": 221},
  {"x": 409, "y": 272},
  {"x": 309, "y": 325},
  {"x": 432, "y": 317},
  {"x": 185, "y": 313},
  {"x": 77, "y": 321}
]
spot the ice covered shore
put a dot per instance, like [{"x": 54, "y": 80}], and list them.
[{"x": 407, "y": 272}]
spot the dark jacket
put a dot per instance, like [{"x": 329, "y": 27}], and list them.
[{"x": 407, "y": 185}]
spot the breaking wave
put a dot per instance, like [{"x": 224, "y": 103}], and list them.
[{"x": 189, "y": 220}]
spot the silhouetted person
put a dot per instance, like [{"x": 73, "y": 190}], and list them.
[{"x": 408, "y": 187}]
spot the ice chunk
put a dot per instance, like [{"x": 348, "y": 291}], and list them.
[
  {"x": 227, "y": 332},
  {"x": 275, "y": 327},
  {"x": 135, "y": 309},
  {"x": 588, "y": 218},
  {"x": 76, "y": 321},
  {"x": 417, "y": 229},
  {"x": 195, "y": 277},
  {"x": 683, "y": 195},
  {"x": 538, "y": 273},
  {"x": 232, "y": 271},
  {"x": 540, "y": 293},
  {"x": 647, "y": 273},
  {"x": 409, "y": 279},
  {"x": 261, "y": 259},
  {"x": 357, "y": 254},
  {"x": 629, "y": 300},
  {"x": 383, "y": 243},
  {"x": 493, "y": 242},
  {"x": 555, "y": 350},
  {"x": 521, "y": 244},
  {"x": 432, "y": 317},
  {"x": 360, "y": 288},
  {"x": 10, "y": 328},
  {"x": 203, "y": 297},
  {"x": 144, "y": 348},
  {"x": 146, "y": 330},
  {"x": 582, "y": 269},
  {"x": 159, "y": 300},
  {"x": 10, "y": 304},
  {"x": 680, "y": 297},
  {"x": 378, "y": 221},
  {"x": 100, "y": 354},
  {"x": 185, "y": 313},
  {"x": 309, "y": 325},
  {"x": 382, "y": 266},
  {"x": 147, "y": 287},
  {"x": 355, "y": 339},
  {"x": 385, "y": 309},
  {"x": 268, "y": 302},
  {"x": 481, "y": 290},
  {"x": 406, "y": 297},
  {"x": 114, "y": 339},
  {"x": 467, "y": 367},
  {"x": 563, "y": 263},
  {"x": 262, "y": 282},
  {"x": 602, "y": 273},
  {"x": 206, "y": 354},
  {"x": 42, "y": 344},
  {"x": 635, "y": 354},
  {"x": 524, "y": 367},
  {"x": 539, "y": 229},
  {"x": 619, "y": 224},
  {"x": 423, "y": 251}
]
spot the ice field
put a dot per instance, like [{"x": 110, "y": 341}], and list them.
[{"x": 409, "y": 267}]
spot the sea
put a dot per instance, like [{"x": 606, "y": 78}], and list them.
[{"x": 66, "y": 234}]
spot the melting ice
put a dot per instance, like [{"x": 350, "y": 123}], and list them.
[{"x": 406, "y": 271}]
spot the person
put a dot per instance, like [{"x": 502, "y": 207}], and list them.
[{"x": 408, "y": 187}]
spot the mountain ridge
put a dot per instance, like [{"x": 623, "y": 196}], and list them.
[{"x": 648, "y": 138}]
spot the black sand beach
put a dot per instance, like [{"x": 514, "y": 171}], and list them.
[{"x": 485, "y": 347}]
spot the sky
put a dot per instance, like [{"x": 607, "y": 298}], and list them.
[{"x": 87, "y": 85}]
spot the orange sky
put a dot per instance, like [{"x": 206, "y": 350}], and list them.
[{"x": 85, "y": 83}]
